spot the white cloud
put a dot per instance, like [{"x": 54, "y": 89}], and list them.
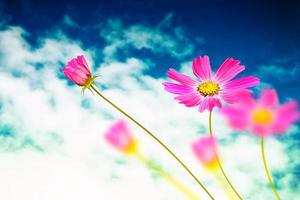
[
  {"x": 76, "y": 163},
  {"x": 120, "y": 38}
]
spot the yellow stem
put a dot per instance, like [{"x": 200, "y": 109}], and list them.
[
  {"x": 225, "y": 186},
  {"x": 155, "y": 138},
  {"x": 160, "y": 171},
  {"x": 218, "y": 159},
  {"x": 266, "y": 169}
]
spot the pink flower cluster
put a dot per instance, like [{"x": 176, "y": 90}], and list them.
[
  {"x": 262, "y": 117},
  {"x": 243, "y": 112}
]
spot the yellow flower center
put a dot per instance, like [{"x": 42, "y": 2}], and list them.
[
  {"x": 262, "y": 116},
  {"x": 131, "y": 148},
  {"x": 208, "y": 88}
]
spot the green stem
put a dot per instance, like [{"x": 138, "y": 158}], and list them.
[
  {"x": 164, "y": 174},
  {"x": 155, "y": 138},
  {"x": 218, "y": 159},
  {"x": 266, "y": 169}
]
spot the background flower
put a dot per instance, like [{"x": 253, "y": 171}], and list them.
[
  {"x": 205, "y": 149},
  {"x": 119, "y": 136},
  {"x": 264, "y": 116}
]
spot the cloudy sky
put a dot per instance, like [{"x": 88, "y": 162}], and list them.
[{"x": 51, "y": 136}]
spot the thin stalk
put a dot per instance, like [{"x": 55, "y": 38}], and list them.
[
  {"x": 266, "y": 169},
  {"x": 164, "y": 174},
  {"x": 225, "y": 186},
  {"x": 155, "y": 138},
  {"x": 218, "y": 159}
]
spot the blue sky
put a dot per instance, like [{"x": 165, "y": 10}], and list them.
[
  {"x": 258, "y": 33},
  {"x": 47, "y": 126}
]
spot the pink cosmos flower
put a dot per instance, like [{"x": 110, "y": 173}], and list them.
[
  {"x": 209, "y": 90},
  {"x": 264, "y": 116},
  {"x": 119, "y": 136},
  {"x": 77, "y": 70},
  {"x": 205, "y": 148}
]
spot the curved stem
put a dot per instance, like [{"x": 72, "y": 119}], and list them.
[
  {"x": 164, "y": 174},
  {"x": 266, "y": 168},
  {"x": 154, "y": 137},
  {"x": 218, "y": 159}
]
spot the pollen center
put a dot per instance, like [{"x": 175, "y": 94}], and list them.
[
  {"x": 262, "y": 116},
  {"x": 208, "y": 88}
]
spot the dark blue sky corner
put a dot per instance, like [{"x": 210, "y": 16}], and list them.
[{"x": 267, "y": 39}]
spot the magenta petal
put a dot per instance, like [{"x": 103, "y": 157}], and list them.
[
  {"x": 67, "y": 73},
  {"x": 73, "y": 63},
  {"x": 118, "y": 135},
  {"x": 289, "y": 111},
  {"x": 79, "y": 79},
  {"x": 286, "y": 115},
  {"x": 209, "y": 103},
  {"x": 203, "y": 105},
  {"x": 189, "y": 100},
  {"x": 181, "y": 78},
  {"x": 81, "y": 60},
  {"x": 202, "y": 68},
  {"x": 73, "y": 75},
  {"x": 238, "y": 118},
  {"x": 205, "y": 148},
  {"x": 83, "y": 64},
  {"x": 228, "y": 70},
  {"x": 176, "y": 88},
  {"x": 77, "y": 71},
  {"x": 242, "y": 83},
  {"x": 243, "y": 96},
  {"x": 268, "y": 98},
  {"x": 260, "y": 130},
  {"x": 212, "y": 102}
]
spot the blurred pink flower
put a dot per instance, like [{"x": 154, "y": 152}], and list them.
[
  {"x": 211, "y": 89},
  {"x": 77, "y": 70},
  {"x": 119, "y": 136},
  {"x": 264, "y": 116},
  {"x": 205, "y": 149}
]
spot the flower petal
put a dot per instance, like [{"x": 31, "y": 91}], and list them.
[
  {"x": 260, "y": 130},
  {"x": 286, "y": 115},
  {"x": 67, "y": 73},
  {"x": 268, "y": 98},
  {"x": 242, "y": 96},
  {"x": 214, "y": 102},
  {"x": 202, "y": 68},
  {"x": 228, "y": 70},
  {"x": 177, "y": 88},
  {"x": 203, "y": 105},
  {"x": 189, "y": 100},
  {"x": 242, "y": 83},
  {"x": 237, "y": 117},
  {"x": 209, "y": 103},
  {"x": 118, "y": 135},
  {"x": 82, "y": 62},
  {"x": 181, "y": 78},
  {"x": 205, "y": 148},
  {"x": 77, "y": 71}
]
